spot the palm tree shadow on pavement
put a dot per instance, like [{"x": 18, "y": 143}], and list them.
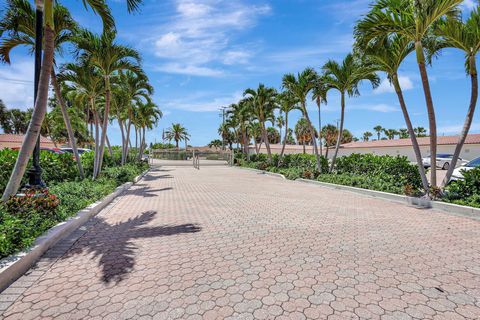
[
  {"x": 145, "y": 191},
  {"x": 113, "y": 243}
]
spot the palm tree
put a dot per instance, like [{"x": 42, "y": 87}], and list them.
[
  {"x": 404, "y": 133},
  {"x": 412, "y": 20},
  {"x": 217, "y": 143},
  {"x": 346, "y": 78},
  {"x": 280, "y": 122},
  {"x": 286, "y": 102},
  {"x": 319, "y": 95},
  {"x": 263, "y": 103},
  {"x": 379, "y": 130},
  {"x": 367, "y": 135},
  {"x": 177, "y": 132},
  {"x": 240, "y": 114},
  {"x": 303, "y": 132},
  {"x": 109, "y": 58},
  {"x": 46, "y": 7},
  {"x": 20, "y": 19},
  {"x": 300, "y": 86},
  {"x": 148, "y": 115},
  {"x": 129, "y": 89},
  {"x": 420, "y": 132},
  {"x": 464, "y": 36}
]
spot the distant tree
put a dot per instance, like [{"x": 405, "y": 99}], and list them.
[
  {"x": 177, "y": 132},
  {"x": 273, "y": 135},
  {"x": 379, "y": 130},
  {"x": 302, "y": 132},
  {"x": 420, "y": 132},
  {"x": 390, "y": 133},
  {"x": 403, "y": 133},
  {"x": 217, "y": 143},
  {"x": 330, "y": 136},
  {"x": 367, "y": 135},
  {"x": 290, "y": 139}
]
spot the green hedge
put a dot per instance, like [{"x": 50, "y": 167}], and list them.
[
  {"x": 382, "y": 173},
  {"x": 465, "y": 192},
  {"x": 56, "y": 168}
]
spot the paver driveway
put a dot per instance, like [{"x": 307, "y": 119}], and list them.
[{"x": 224, "y": 242}]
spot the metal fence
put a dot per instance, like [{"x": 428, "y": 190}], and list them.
[{"x": 191, "y": 156}]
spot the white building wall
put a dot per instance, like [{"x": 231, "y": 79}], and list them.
[{"x": 469, "y": 152}]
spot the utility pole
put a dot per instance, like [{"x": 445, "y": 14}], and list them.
[
  {"x": 223, "y": 126},
  {"x": 35, "y": 173}
]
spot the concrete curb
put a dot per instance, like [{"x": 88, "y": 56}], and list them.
[
  {"x": 450, "y": 208},
  {"x": 14, "y": 266},
  {"x": 267, "y": 173}
]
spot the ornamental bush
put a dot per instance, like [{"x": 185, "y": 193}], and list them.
[{"x": 465, "y": 192}]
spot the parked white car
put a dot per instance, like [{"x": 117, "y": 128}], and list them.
[
  {"x": 443, "y": 161},
  {"x": 457, "y": 173}
]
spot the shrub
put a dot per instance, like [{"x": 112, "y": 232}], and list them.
[
  {"x": 123, "y": 174},
  {"x": 465, "y": 192},
  {"x": 372, "y": 165},
  {"x": 384, "y": 182},
  {"x": 56, "y": 168},
  {"x": 32, "y": 200}
]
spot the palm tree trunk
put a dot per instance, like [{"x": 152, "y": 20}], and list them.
[
  {"x": 109, "y": 146},
  {"x": 340, "y": 132},
  {"x": 257, "y": 149},
  {"x": 468, "y": 119},
  {"x": 106, "y": 112},
  {"x": 122, "y": 131},
  {"x": 314, "y": 138},
  {"x": 97, "y": 142},
  {"x": 320, "y": 130},
  {"x": 408, "y": 122},
  {"x": 267, "y": 143},
  {"x": 128, "y": 143},
  {"x": 431, "y": 112},
  {"x": 38, "y": 114},
  {"x": 286, "y": 136},
  {"x": 68, "y": 124}
]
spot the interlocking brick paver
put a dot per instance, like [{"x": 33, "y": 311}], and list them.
[{"x": 224, "y": 243}]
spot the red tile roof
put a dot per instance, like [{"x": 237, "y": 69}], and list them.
[
  {"x": 444, "y": 140},
  {"x": 18, "y": 138}
]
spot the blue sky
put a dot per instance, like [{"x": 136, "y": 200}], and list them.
[{"x": 202, "y": 54}]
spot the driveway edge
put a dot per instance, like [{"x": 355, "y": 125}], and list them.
[
  {"x": 450, "y": 208},
  {"x": 14, "y": 266},
  {"x": 267, "y": 173}
]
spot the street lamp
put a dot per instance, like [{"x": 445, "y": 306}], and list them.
[{"x": 35, "y": 173}]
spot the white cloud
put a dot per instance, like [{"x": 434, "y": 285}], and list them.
[
  {"x": 191, "y": 70},
  {"x": 385, "y": 87},
  {"x": 456, "y": 129},
  {"x": 381, "y": 107},
  {"x": 469, "y": 4},
  {"x": 201, "y": 33},
  {"x": 16, "y": 83},
  {"x": 203, "y": 101}
]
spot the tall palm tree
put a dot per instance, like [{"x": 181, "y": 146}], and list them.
[
  {"x": 319, "y": 95},
  {"x": 464, "y": 36},
  {"x": 148, "y": 116},
  {"x": 287, "y": 102},
  {"x": 241, "y": 112},
  {"x": 414, "y": 21},
  {"x": 346, "y": 78},
  {"x": 379, "y": 130},
  {"x": 280, "y": 122},
  {"x": 177, "y": 132},
  {"x": 130, "y": 88},
  {"x": 387, "y": 55},
  {"x": 300, "y": 86},
  {"x": 263, "y": 103},
  {"x": 46, "y": 7},
  {"x": 109, "y": 58}
]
